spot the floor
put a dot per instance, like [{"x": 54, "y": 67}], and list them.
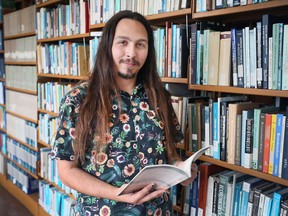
[{"x": 10, "y": 206}]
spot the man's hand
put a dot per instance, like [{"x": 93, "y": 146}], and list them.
[{"x": 141, "y": 196}]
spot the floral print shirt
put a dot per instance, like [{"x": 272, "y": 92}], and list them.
[{"x": 135, "y": 140}]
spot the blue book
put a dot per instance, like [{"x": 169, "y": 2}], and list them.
[
  {"x": 277, "y": 198},
  {"x": 278, "y": 142},
  {"x": 216, "y": 143}
]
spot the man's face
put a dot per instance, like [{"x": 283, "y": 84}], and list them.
[{"x": 130, "y": 48}]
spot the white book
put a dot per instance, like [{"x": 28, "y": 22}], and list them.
[
  {"x": 163, "y": 176},
  {"x": 285, "y": 59}
]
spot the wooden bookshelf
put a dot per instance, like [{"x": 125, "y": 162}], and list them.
[
  {"x": 21, "y": 90},
  {"x": 237, "y": 90},
  {"x": 21, "y": 116},
  {"x": 28, "y": 34}
]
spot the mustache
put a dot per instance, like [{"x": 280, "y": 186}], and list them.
[{"x": 129, "y": 61}]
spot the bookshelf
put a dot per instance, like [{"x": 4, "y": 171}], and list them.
[
  {"x": 234, "y": 15},
  {"x": 239, "y": 16},
  {"x": 21, "y": 97}
]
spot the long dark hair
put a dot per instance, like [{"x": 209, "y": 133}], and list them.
[{"x": 102, "y": 88}]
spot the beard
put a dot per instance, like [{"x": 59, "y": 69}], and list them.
[{"x": 127, "y": 76}]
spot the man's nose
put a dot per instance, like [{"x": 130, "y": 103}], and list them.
[{"x": 130, "y": 52}]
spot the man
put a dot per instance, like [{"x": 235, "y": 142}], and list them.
[{"x": 117, "y": 123}]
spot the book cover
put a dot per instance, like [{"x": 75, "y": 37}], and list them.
[{"x": 163, "y": 176}]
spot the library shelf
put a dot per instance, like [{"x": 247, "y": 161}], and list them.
[
  {"x": 241, "y": 169},
  {"x": 249, "y": 8},
  {"x": 48, "y": 112},
  {"x": 65, "y": 38},
  {"x": 20, "y": 63},
  {"x": 61, "y": 76},
  {"x": 22, "y": 143},
  {"x": 21, "y": 90},
  {"x": 174, "y": 80},
  {"x": 27, "y": 34},
  {"x": 21, "y": 116},
  {"x": 237, "y": 90},
  {"x": 159, "y": 19},
  {"x": 23, "y": 168}
]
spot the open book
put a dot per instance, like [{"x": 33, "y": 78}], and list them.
[{"x": 162, "y": 175}]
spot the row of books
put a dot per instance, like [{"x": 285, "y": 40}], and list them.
[
  {"x": 172, "y": 48},
  {"x": 22, "y": 130},
  {"x": 22, "y": 104},
  {"x": 25, "y": 20},
  {"x": 50, "y": 95},
  {"x": 49, "y": 171},
  {"x": 67, "y": 58},
  {"x": 208, "y": 5},
  {"x": 223, "y": 192},
  {"x": 27, "y": 183},
  {"x": 22, "y": 155},
  {"x": 54, "y": 201},
  {"x": 64, "y": 20},
  {"x": 22, "y": 77},
  {"x": 241, "y": 132},
  {"x": 101, "y": 11},
  {"x": 241, "y": 56},
  {"x": 20, "y": 49},
  {"x": 47, "y": 127}
]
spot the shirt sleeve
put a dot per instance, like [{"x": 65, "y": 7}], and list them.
[{"x": 65, "y": 135}]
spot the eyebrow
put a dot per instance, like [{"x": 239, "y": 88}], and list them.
[{"x": 127, "y": 38}]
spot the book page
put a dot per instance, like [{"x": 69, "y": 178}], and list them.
[{"x": 163, "y": 176}]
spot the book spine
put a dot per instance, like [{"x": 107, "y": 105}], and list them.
[
  {"x": 239, "y": 52},
  {"x": 193, "y": 53},
  {"x": 261, "y": 142},
  {"x": 259, "y": 54},
  {"x": 266, "y": 150},
  {"x": 265, "y": 49},
  {"x": 285, "y": 59},
  {"x": 285, "y": 150},
  {"x": 234, "y": 57},
  {"x": 249, "y": 143},
  {"x": 272, "y": 144},
  {"x": 277, "y": 148}
]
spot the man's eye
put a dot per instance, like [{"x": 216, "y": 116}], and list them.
[
  {"x": 141, "y": 45},
  {"x": 122, "y": 42}
]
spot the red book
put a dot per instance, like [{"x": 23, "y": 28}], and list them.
[
  {"x": 266, "y": 150},
  {"x": 206, "y": 169}
]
